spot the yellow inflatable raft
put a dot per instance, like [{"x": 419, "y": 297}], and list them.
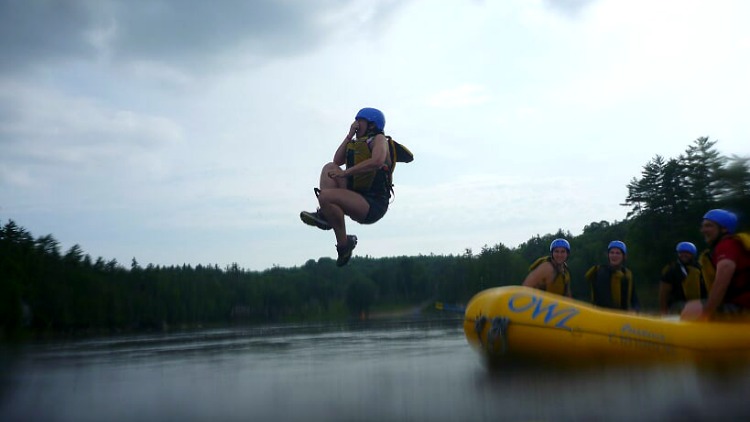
[{"x": 520, "y": 322}]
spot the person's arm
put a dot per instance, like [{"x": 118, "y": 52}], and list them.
[
  {"x": 599, "y": 292},
  {"x": 724, "y": 271},
  {"x": 537, "y": 277},
  {"x": 339, "y": 158},
  {"x": 376, "y": 161}
]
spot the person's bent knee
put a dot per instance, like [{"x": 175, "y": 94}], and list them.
[{"x": 330, "y": 166}]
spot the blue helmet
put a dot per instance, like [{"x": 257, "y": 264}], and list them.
[
  {"x": 687, "y": 247},
  {"x": 619, "y": 245},
  {"x": 372, "y": 115},
  {"x": 724, "y": 218},
  {"x": 559, "y": 243}
]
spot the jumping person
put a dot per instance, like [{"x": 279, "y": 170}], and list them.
[
  {"x": 362, "y": 191},
  {"x": 550, "y": 273}
]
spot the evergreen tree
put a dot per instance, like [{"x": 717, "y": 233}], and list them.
[
  {"x": 70, "y": 293},
  {"x": 733, "y": 183},
  {"x": 703, "y": 162}
]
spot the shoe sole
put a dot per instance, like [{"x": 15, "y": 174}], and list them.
[
  {"x": 310, "y": 220},
  {"x": 343, "y": 260}
]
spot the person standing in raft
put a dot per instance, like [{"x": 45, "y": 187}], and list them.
[
  {"x": 612, "y": 284},
  {"x": 730, "y": 262},
  {"x": 681, "y": 280},
  {"x": 361, "y": 191},
  {"x": 550, "y": 273}
]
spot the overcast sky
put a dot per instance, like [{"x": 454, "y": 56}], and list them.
[{"x": 193, "y": 132}]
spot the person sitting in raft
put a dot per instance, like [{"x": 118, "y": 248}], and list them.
[
  {"x": 550, "y": 272},
  {"x": 681, "y": 280},
  {"x": 362, "y": 191},
  {"x": 612, "y": 284},
  {"x": 730, "y": 259}
]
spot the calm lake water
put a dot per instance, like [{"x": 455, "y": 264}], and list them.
[{"x": 379, "y": 371}]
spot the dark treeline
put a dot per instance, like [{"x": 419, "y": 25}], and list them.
[{"x": 45, "y": 291}]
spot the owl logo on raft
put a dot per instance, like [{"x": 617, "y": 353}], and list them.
[{"x": 552, "y": 313}]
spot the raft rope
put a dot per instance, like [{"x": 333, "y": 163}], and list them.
[
  {"x": 479, "y": 326},
  {"x": 498, "y": 330}
]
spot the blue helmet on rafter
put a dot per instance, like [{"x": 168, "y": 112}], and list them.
[
  {"x": 687, "y": 247},
  {"x": 372, "y": 115},
  {"x": 724, "y": 218},
  {"x": 619, "y": 245},
  {"x": 559, "y": 243}
]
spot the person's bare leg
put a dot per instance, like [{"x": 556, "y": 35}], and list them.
[
  {"x": 318, "y": 218},
  {"x": 329, "y": 183},
  {"x": 335, "y": 204}
]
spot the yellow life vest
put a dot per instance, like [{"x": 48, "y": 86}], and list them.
[
  {"x": 744, "y": 238},
  {"x": 378, "y": 181},
  {"x": 356, "y": 152},
  {"x": 562, "y": 278},
  {"x": 691, "y": 285},
  {"x": 617, "y": 278},
  {"x": 707, "y": 268}
]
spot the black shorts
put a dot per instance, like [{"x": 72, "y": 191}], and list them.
[{"x": 378, "y": 207}]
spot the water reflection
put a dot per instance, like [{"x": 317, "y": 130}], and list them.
[{"x": 396, "y": 370}]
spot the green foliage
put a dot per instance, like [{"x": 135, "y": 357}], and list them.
[
  {"x": 43, "y": 290},
  {"x": 667, "y": 204}
]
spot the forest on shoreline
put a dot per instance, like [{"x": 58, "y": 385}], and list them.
[{"x": 46, "y": 291}]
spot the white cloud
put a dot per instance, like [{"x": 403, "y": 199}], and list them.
[
  {"x": 524, "y": 117},
  {"x": 461, "y": 96}
]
